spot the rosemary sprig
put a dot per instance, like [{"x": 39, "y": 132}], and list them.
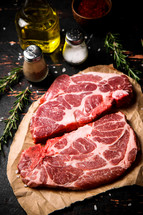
[
  {"x": 7, "y": 81},
  {"x": 11, "y": 123},
  {"x": 113, "y": 44}
]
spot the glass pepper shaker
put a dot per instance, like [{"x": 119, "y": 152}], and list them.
[
  {"x": 34, "y": 66},
  {"x": 75, "y": 50}
]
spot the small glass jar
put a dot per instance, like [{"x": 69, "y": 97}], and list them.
[
  {"x": 34, "y": 66},
  {"x": 75, "y": 50}
]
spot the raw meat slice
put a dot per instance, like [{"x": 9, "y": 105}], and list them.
[
  {"x": 95, "y": 154},
  {"x": 73, "y": 101}
]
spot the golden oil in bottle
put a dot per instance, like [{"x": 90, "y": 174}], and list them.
[{"x": 38, "y": 24}]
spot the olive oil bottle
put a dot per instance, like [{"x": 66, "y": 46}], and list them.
[{"x": 38, "y": 24}]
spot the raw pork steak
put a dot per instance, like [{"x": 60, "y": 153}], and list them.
[
  {"x": 73, "y": 101},
  {"x": 94, "y": 154}
]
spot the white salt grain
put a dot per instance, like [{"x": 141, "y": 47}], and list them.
[
  {"x": 4, "y": 28},
  {"x": 130, "y": 204},
  {"x": 1, "y": 119},
  {"x": 63, "y": 69},
  {"x": 99, "y": 49},
  {"x": 95, "y": 207},
  {"x": 55, "y": 72},
  {"x": 16, "y": 171}
]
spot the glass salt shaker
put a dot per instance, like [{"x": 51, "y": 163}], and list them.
[
  {"x": 75, "y": 50},
  {"x": 34, "y": 66}
]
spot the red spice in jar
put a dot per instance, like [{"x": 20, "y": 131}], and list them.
[{"x": 92, "y": 8}]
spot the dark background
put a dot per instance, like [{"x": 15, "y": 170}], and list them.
[{"x": 126, "y": 19}]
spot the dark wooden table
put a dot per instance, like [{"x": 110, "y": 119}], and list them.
[{"x": 125, "y": 19}]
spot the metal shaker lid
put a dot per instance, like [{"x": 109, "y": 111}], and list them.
[
  {"x": 32, "y": 53},
  {"x": 74, "y": 36}
]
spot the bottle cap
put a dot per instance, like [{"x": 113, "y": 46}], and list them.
[
  {"x": 74, "y": 36},
  {"x": 32, "y": 53}
]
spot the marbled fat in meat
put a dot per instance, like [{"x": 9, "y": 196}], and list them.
[
  {"x": 73, "y": 101},
  {"x": 94, "y": 154}
]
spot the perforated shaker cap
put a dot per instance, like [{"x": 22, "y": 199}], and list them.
[
  {"x": 74, "y": 36},
  {"x": 32, "y": 53}
]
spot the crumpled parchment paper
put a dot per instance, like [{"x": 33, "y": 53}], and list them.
[{"x": 43, "y": 201}]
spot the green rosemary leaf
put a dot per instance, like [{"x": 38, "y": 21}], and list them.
[
  {"x": 7, "y": 81},
  {"x": 113, "y": 45},
  {"x": 11, "y": 123}
]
